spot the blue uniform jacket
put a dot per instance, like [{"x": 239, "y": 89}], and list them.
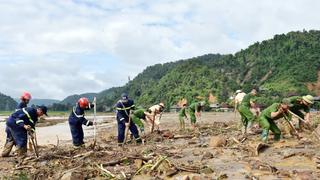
[
  {"x": 123, "y": 109},
  {"x": 21, "y": 105},
  {"x": 24, "y": 116},
  {"x": 77, "y": 114}
]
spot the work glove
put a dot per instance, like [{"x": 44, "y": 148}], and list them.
[
  {"x": 31, "y": 134},
  {"x": 27, "y": 127},
  {"x": 90, "y": 123},
  {"x": 91, "y": 105}
]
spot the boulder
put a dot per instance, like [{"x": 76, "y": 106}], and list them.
[{"x": 217, "y": 141}]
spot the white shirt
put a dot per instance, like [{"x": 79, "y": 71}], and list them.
[{"x": 239, "y": 97}]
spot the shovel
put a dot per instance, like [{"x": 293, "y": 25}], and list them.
[
  {"x": 291, "y": 126},
  {"x": 33, "y": 144},
  {"x": 308, "y": 125}
]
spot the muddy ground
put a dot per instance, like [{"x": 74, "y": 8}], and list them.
[{"x": 216, "y": 150}]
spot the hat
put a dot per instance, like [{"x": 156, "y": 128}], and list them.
[
  {"x": 287, "y": 102},
  {"x": 308, "y": 99},
  {"x": 124, "y": 96},
  {"x": 161, "y": 104},
  {"x": 238, "y": 91},
  {"x": 44, "y": 109}
]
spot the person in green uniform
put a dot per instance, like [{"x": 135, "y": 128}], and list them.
[
  {"x": 301, "y": 104},
  {"x": 182, "y": 116},
  {"x": 195, "y": 112},
  {"x": 269, "y": 115},
  {"x": 247, "y": 117},
  {"x": 137, "y": 116}
]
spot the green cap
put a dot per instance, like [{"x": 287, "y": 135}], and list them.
[{"x": 308, "y": 99}]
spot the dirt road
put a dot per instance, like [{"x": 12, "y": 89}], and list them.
[{"x": 216, "y": 150}]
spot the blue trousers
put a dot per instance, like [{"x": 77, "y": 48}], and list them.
[
  {"x": 17, "y": 134},
  {"x": 76, "y": 132},
  {"x": 122, "y": 127}
]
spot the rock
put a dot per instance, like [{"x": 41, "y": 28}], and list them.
[
  {"x": 72, "y": 176},
  {"x": 217, "y": 141},
  {"x": 138, "y": 163},
  {"x": 223, "y": 176},
  {"x": 207, "y": 155},
  {"x": 206, "y": 170},
  {"x": 168, "y": 134},
  {"x": 195, "y": 177},
  {"x": 305, "y": 175},
  {"x": 186, "y": 177},
  {"x": 196, "y": 152},
  {"x": 192, "y": 142},
  {"x": 171, "y": 172}
]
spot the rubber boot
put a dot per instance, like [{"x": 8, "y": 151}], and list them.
[
  {"x": 7, "y": 149},
  {"x": 249, "y": 128},
  {"x": 264, "y": 135},
  {"x": 22, "y": 151},
  {"x": 277, "y": 137},
  {"x": 139, "y": 141}
]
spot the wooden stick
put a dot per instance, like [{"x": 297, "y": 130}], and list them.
[
  {"x": 291, "y": 126},
  {"x": 94, "y": 122},
  {"x": 106, "y": 171}
]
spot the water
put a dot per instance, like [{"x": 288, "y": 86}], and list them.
[{"x": 49, "y": 134}]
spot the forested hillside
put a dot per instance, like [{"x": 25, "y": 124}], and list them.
[
  {"x": 7, "y": 103},
  {"x": 285, "y": 65}
]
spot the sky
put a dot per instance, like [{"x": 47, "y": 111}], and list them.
[{"x": 56, "y": 48}]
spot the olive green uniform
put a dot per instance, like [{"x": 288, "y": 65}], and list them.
[
  {"x": 244, "y": 109},
  {"x": 182, "y": 115},
  {"x": 136, "y": 117},
  {"x": 297, "y": 106},
  {"x": 192, "y": 109},
  {"x": 267, "y": 122}
]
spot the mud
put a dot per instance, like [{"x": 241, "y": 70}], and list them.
[{"x": 174, "y": 154}]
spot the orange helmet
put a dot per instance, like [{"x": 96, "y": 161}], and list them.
[
  {"x": 26, "y": 96},
  {"x": 83, "y": 102}
]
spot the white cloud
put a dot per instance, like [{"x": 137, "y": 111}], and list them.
[{"x": 48, "y": 38}]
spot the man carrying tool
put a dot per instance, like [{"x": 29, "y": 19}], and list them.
[
  {"x": 124, "y": 107},
  {"x": 195, "y": 112},
  {"x": 182, "y": 116},
  {"x": 18, "y": 125},
  {"x": 25, "y": 99},
  {"x": 77, "y": 119},
  {"x": 301, "y": 103},
  {"x": 269, "y": 115},
  {"x": 154, "y": 111},
  {"x": 247, "y": 117}
]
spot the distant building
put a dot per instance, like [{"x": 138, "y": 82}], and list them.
[{"x": 175, "y": 108}]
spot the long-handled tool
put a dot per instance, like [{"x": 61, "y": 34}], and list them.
[
  {"x": 291, "y": 126},
  {"x": 309, "y": 127},
  {"x": 126, "y": 132},
  {"x": 33, "y": 144},
  {"x": 94, "y": 121},
  {"x": 126, "y": 124}
]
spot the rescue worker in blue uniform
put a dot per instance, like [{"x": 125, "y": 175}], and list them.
[
  {"x": 124, "y": 107},
  {"x": 77, "y": 119},
  {"x": 25, "y": 99},
  {"x": 18, "y": 125}
]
